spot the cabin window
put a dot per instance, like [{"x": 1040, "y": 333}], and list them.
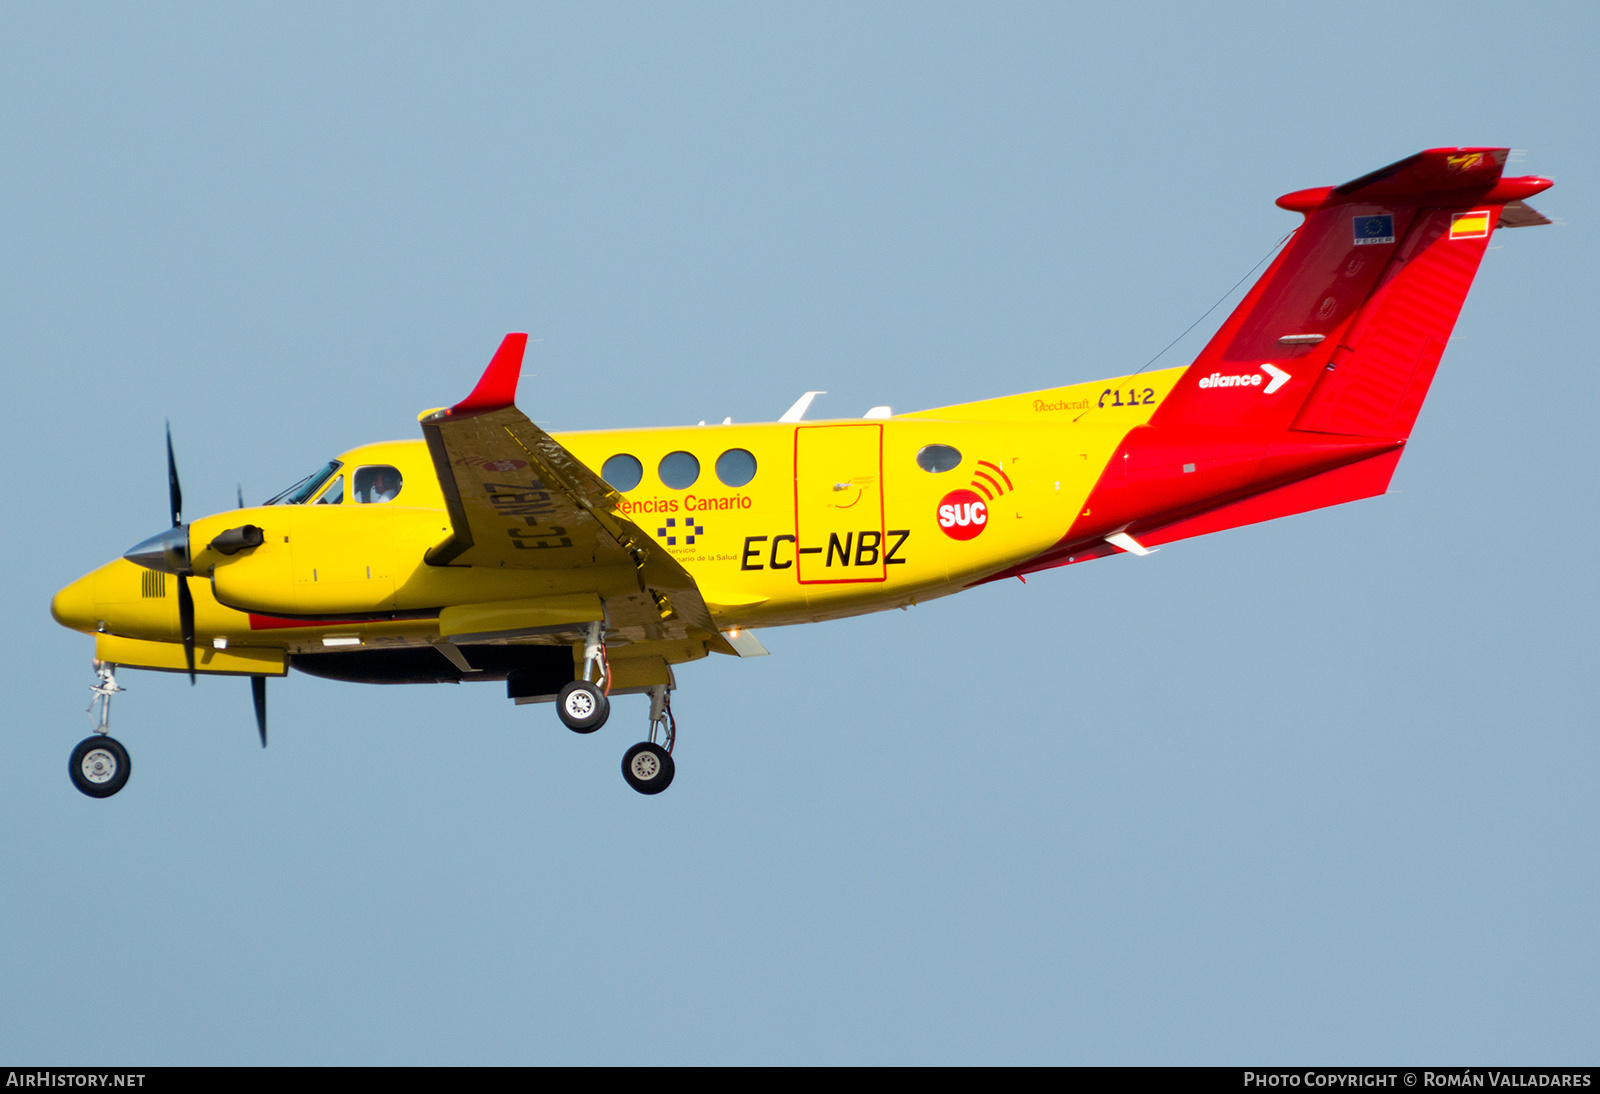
[
  {"x": 622, "y": 472},
  {"x": 679, "y": 470},
  {"x": 735, "y": 467},
  {"x": 935, "y": 458},
  {"x": 376, "y": 484},
  {"x": 306, "y": 487},
  {"x": 334, "y": 494}
]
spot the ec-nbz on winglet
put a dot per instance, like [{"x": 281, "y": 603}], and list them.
[{"x": 584, "y": 565}]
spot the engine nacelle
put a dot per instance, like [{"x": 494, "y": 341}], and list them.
[{"x": 313, "y": 559}]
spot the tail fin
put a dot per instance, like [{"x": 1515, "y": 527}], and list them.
[
  {"x": 1306, "y": 394},
  {"x": 1343, "y": 332}
]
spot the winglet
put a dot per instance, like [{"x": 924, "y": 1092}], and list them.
[{"x": 497, "y": 388}]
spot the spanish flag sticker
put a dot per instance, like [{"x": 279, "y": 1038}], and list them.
[{"x": 1473, "y": 225}]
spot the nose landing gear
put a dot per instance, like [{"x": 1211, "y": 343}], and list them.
[{"x": 100, "y": 766}]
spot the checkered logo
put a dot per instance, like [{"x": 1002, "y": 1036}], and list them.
[{"x": 689, "y": 530}]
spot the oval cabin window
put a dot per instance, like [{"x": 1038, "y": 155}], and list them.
[
  {"x": 679, "y": 470},
  {"x": 622, "y": 472},
  {"x": 935, "y": 458},
  {"x": 736, "y": 467}
]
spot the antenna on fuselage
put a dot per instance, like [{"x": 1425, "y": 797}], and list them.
[{"x": 801, "y": 405}]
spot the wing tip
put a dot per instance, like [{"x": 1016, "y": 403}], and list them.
[{"x": 497, "y": 387}]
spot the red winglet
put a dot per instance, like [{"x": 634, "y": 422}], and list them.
[{"x": 498, "y": 386}]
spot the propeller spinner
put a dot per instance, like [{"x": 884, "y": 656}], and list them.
[{"x": 169, "y": 552}]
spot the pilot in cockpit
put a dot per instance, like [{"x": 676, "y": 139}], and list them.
[{"x": 376, "y": 484}]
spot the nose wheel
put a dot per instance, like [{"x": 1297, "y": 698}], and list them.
[{"x": 99, "y": 766}]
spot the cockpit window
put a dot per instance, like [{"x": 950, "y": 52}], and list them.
[
  {"x": 375, "y": 484},
  {"x": 334, "y": 494},
  {"x": 306, "y": 487}
]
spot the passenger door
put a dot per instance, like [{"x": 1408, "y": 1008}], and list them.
[{"x": 838, "y": 503}]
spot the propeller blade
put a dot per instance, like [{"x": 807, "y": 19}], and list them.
[
  {"x": 173, "y": 489},
  {"x": 258, "y": 690},
  {"x": 240, "y": 487},
  {"x": 186, "y": 622}
]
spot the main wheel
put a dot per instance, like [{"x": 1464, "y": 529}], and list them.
[
  {"x": 99, "y": 766},
  {"x": 583, "y": 707},
  {"x": 648, "y": 768}
]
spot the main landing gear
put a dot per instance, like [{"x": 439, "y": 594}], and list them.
[
  {"x": 584, "y": 705},
  {"x": 648, "y": 766},
  {"x": 100, "y": 766},
  {"x": 583, "y": 708}
]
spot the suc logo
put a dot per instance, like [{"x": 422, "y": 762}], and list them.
[{"x": 962, "y": 514}]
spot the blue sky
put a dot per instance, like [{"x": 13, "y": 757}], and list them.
[{"x": 1320, "y": 790}]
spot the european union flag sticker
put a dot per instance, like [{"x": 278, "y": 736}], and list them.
[{"x": 1376, "y": 228}]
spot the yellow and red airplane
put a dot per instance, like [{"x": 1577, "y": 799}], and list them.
[{"x": 578, "y": 566}]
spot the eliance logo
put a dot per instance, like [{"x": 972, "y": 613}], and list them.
[
  {"x": 1218, "y": 380},
  {"x": 1278, "y": 379}
]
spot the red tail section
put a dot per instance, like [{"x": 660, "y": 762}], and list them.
[
  {"x": 1344, "y": 330},
  {"x": 1307, "y": 393},
  {"x": 1378, "y": 374}
]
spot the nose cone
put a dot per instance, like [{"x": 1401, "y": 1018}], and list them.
[
  {"x": 74, "y": 606},
  {"x": 166, "y": 551}
]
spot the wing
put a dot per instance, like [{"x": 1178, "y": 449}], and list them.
[{"x": 519, "y": 500}]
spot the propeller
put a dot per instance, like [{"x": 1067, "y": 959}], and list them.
[
  {"x": 168, "y": 553},
  {"x": 175, "y": 492},
  {"x": 185, "y": 597},
  {"x": 258, "y": 690}
]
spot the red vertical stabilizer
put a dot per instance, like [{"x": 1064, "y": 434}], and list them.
[
  {"x": 1305, "y": 396},
  {"x": 1343, "y": 332}
]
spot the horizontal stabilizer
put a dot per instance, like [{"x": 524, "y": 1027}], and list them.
[
  {"x": 1519, "y": 214},
  {"x": 1364, "y": 478},
  {"x": 1352, "y": 482},
  {"x": 1436, "y": 177}
]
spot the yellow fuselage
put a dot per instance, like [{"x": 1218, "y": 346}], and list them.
[{"x": 839, "y": 519}]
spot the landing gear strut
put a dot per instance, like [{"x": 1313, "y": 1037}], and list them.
[
  {"x": 648, "y": 766},
  {"x": 583, "y": 706},
  {"x": 100, "y": 766}
]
